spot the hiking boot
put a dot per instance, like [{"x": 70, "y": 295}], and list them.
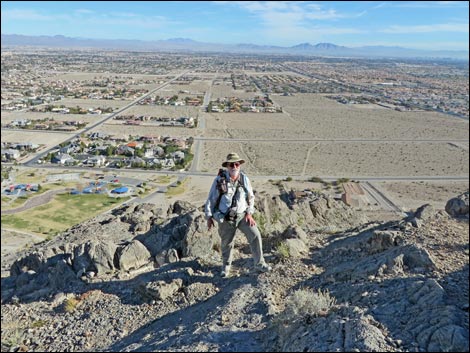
[
  {"x": 263, "y": 268},
  {"x": 225, "y": 271}
]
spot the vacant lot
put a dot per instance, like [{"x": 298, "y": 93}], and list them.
[
  {"x": 163, "y": 111},
  {"x": 411, "y": 195},
  {"x": 116, "y": 128},
  {"x": 316, "y": 117},
  {"x": 350, "y": 159},
  {"x": 48, "y": 138},
  {"x": 321, "y": 117},
  {"x": 93, "y": 103}
]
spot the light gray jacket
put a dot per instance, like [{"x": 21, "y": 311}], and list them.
[{"x": 244, "y": 202}]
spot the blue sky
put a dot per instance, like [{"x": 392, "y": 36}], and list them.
[{"x": 440, "y": 25}]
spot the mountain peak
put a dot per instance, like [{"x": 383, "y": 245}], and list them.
[
  {"x": 303, "y": 46},
  {"x": 327, "y": 46},
  {"x": 321, "y": 46}
]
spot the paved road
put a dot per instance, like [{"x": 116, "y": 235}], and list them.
[
  {"x": 380, "y": 198},
  {"x": 266, "y": 177},
  {"x": 34, "y": 202},
  {"x": 197, "y": 146},
  {"x": 327, "y": 140}
]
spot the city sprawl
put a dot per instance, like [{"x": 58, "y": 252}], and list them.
[{"x": 139, "y": 124}]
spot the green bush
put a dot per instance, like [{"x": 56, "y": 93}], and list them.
[
  {"x": 260, "y": 222},
  {"x": 282, "y": 251},
  {"x": 342, "y": 180},
  {"x": 316, "y": 180}
]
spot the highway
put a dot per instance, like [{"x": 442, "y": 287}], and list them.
[
  {"x": 183, "y": 174},
  {"x": 325, "y": 140},
  {"x": 197, "y": 146}
]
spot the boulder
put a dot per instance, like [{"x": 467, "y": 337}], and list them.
[
  {"x": 189, "y": 235},
  {"x": 458, "y": 206},
  {"x": 133, "y": 256},
  {"x": 180, "y": 207}
]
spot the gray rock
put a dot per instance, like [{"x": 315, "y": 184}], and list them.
[
  {"x": 296, "y": 247},
  {"x": 133, "y": 256},
  {"x": 197, "y": 292},
  {"x": 161, "y": 290},
  {"x": 180, "y": 207},
  {"x": 458, "y": 206},
  {"x": 450, "y": 338}
]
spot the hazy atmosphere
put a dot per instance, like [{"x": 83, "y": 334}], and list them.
[{"x": 436, "y": 25}]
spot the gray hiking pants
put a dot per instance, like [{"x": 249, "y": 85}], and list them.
[{"x": 227, "y": 232}]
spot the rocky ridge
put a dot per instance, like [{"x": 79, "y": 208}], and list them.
[{"x": 141, "y": 279}]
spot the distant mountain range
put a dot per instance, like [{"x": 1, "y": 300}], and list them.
[{"x": 184, "y": 44}]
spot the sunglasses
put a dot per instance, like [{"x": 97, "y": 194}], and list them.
[{"x": 233, "y": 165}]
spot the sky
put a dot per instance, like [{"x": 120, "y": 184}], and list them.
[{"x": 438, "y": 25}]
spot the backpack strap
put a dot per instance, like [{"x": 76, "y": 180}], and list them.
[{"x": 224, "y": 179}]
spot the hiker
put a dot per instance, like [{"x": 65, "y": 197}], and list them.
[{"x": 231, "y": 204}]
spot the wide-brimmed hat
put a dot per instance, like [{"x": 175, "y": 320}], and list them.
[{"x": 232, "y": 158}]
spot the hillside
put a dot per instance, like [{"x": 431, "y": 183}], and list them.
[{"x": 146, "y": 279}]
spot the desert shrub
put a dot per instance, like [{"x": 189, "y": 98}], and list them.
[
  {"x": 282, "y": 251},
  {"x": 342, "y": 180},
  {"x": 306, "y": 304},
  {"x": 316, "y": 180},
  {"x": 70, "y": 305},
  {"x": 38, "y": 323},
  {"x": 260, "y": 222},
  {"x": 276, "y": 217}
]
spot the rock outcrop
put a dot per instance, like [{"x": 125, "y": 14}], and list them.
[{"x": 139, "y": 279}]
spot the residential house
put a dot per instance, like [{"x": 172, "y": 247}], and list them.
[
  {"x": 9, "y": 154},
  {"x": 178, "y": 156},
  {"x": 168, "y": 163},
  {"x": 63, "y": 159},
  {"x": 125, "y": 150},
  {"x": 21, "y": 122},
  {"x": 97, "y": 161}
]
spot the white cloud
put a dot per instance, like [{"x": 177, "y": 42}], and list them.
[
  {"x": 449, "y": 27},
  {"x": 29, "y": 15},
  {"x": 299, "y": 9},
  {"x": 429, "y": 4},
  {"x": 84, "y": 16},
  {"x": 294, "y": 21}
]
